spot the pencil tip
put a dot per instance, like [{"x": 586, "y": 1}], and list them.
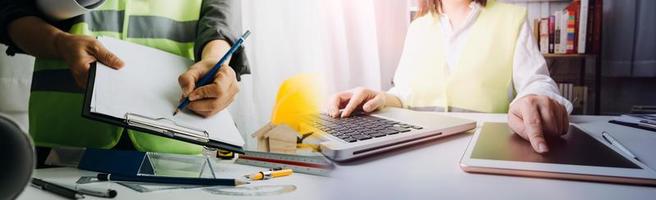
[
  {"x": 176, "y": 112},
  {"x": 241, "y": 182}
]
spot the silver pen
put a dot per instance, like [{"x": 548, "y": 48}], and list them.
[
  {"x": 610, "y": 139},
  {"x": 93, "y": 191}
]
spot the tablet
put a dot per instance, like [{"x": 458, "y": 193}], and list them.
[{"x": 576, "y": 155}]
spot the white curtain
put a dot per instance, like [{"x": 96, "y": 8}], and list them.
[{"x": 349, "y": 42}]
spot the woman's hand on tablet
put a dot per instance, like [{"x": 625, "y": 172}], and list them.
[
  {"x": 532, "y": 117},
  {"x": 360, "y": 98}
]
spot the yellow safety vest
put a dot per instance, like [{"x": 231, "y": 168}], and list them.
[
  {"x": 482, "y": 77},
  {"x": 56, "y": 103}
]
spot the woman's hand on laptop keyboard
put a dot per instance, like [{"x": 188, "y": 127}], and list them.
[{"x": 360, "y": 98}]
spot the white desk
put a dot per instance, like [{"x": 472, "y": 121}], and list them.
[
  {"x": 426, "y": 171},
  {"x": 307, "y": 186},
  {"x": 431, "y": 171}
]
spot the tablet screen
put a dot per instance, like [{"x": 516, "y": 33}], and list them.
[{"x": 497, "y": 142}]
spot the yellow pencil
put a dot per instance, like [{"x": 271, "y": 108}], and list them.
[{"x": 265, "y": 175}]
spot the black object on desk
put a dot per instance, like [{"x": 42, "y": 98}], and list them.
[
  {"x": 96, "y": 192},
  {"x": 642, "y": 126},
  {"x": 56, "y": 189},
  {"x": 641, "y": 121},
  {"x": 171, "y": 180},
  {"x": 17, "y": 155}
]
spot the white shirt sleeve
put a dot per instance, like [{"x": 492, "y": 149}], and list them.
[
  {"x": 530, "y": 72},
  {"x": 402, "y": 94}
]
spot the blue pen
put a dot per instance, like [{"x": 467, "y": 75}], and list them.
[{"x": 210, "y": 75}]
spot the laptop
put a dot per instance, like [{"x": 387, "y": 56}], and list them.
[{"x": 389, "y": 128}]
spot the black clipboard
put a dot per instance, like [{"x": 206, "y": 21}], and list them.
[{"x": 141, "y": 123}]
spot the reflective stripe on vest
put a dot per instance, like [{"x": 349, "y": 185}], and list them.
[
  {"x": 56, "y": 102},
  {"x": 483, "y": 76}
]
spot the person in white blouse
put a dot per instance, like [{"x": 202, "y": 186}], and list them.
[{"x": 530, "y": 97}]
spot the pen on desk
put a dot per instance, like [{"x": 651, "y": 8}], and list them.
[
  {"x": 610, "y": 139},
  {"x": 210, "y": 75},
  {"x": 172, "y": 180},
  {"x": 56, "y": 189},
  {"x": 92, "y": 191},
  {"x": 647, "y": 122},
  {"x": 265, "y": 175}
]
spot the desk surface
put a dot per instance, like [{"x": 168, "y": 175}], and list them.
[
  {"x": 307, "y": 186},
  {"x": 431, "y": 171},
  {"x": 425, "y": 171}
]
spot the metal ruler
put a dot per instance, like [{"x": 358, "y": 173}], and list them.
[{"x": 315, "y": 164}]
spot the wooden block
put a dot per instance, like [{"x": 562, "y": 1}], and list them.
[
  {"x": 276, "y": 138},
  {"x": 259, "y": 135}
]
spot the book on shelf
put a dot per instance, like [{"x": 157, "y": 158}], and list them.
[
  {"x": 572, "y": 26},
  {"x": 562, "y": 26},
  {"x": 594, "y": 27},
  {"x": 566, "y": 90},
  {"x": 577, "y": 95},
  {"x": 573, "y": 30},
  {"x": 580, "y": 99},
  {"x": 583, "y": 25},
  {"x": 557, "y": 15},
  {"x": 552, "y": 33},
  {"x": 543, "y": 29}
]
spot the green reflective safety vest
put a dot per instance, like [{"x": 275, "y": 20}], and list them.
[{"x": 56, "y": 102}]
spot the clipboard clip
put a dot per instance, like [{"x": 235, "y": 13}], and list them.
[{"x": 167, "y": 127}]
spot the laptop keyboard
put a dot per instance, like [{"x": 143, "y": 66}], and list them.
[{"x": 361, "y": 127}]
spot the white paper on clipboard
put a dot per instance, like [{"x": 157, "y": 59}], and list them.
[{"x": 148, "y": 86}]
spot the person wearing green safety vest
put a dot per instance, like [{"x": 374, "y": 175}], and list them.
[{"x": 195, "y": 29}]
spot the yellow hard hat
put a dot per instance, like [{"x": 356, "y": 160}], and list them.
[{"x": 298, "y": 98}]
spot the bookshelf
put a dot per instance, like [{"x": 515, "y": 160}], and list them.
[
  {"x": 557, "y": 56},
  {"x": 580, "y": 70},
  {"x": 572, "y": 70},
  {"x": 534, "y": 1},
  {"x": 581, "y": 67}
]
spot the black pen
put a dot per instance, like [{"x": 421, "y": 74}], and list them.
[
  {"x": 93, "y": 191},
  {"x": 648, "y": 123},
  {"x": 56, "y": 189},
  {"x": 641, "y": 125},
  {"x": 171, "y": 180}
]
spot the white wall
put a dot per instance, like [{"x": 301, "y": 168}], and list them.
[{"x": 15, "y": 83}]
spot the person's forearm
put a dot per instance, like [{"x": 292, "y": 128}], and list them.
[
  {"x": 392, "y": 101},
  {"x": 35, "y": 36},
  {"x": 214, "y": 50}
]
